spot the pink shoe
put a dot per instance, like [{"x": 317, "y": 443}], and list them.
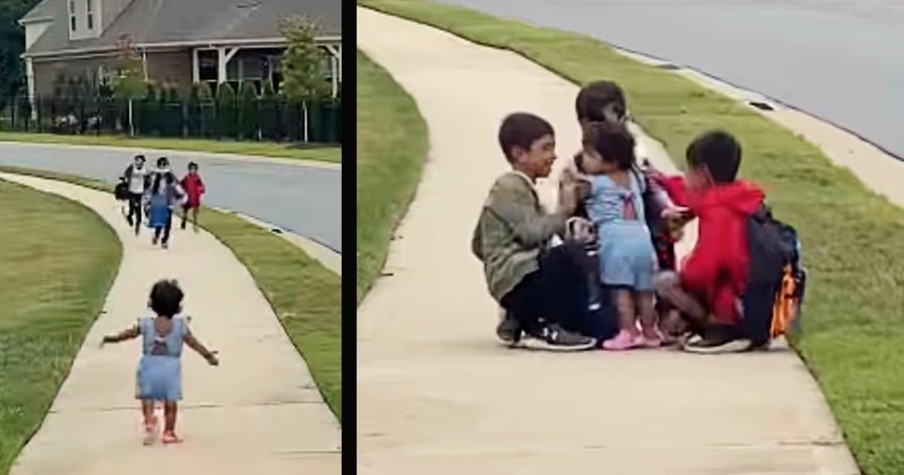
[
  {"x": 170, "y": 438},
  {"x": 150, "y": 431},
  {"x": 624, "y": 340},
  {"x": 650, "y": 340}
]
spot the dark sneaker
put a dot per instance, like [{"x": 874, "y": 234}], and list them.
[
  {"x": 715, "y": 342},
  {"x": 556, "y": 338},
  {"x": 509, "y": 331}
]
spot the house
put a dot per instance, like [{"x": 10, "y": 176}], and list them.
[{"x": 179, "y": 41}]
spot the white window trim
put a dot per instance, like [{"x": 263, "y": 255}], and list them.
[
  {"x": 73, "y": 20},
  {"x": 90, "y": 14}
]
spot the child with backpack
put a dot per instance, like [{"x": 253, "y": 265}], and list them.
[
  {"x": 159, "y": 377},
  {"x": 194, "y": 188},
  {"x": 165, "y": 195},
  {"x": 728, "y": 284}
]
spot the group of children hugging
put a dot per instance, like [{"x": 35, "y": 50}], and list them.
[
  {"x": 158, "y": 193},
  {"x": 601, "y": 271}
]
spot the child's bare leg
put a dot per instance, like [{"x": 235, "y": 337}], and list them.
[
  {"x": 627, "y": 336},
  {"x": 150, "y": 421},
  {"x": 194, "y": 216},
  {"x": 668, "y": 287},
  {"x": 170, "y": 409},
  {"x": 627, "y": 316},
  {"x": 147, "y": 410},
  {"x": 647, "y": 312},
  {"x": 169, "y": 416}
]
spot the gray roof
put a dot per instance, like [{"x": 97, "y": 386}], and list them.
[
  {"x": 45, "y": 9},
  {"x": 174, "y": 21}
]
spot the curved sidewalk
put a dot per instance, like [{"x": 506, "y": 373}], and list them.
[
  {"x": 258, "y": 412},
  {"x": 435, "y": 393}
]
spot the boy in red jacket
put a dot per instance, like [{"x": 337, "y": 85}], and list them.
[
  {"x": 194, "y": 188},
  {"x": 709, "y": 285}
]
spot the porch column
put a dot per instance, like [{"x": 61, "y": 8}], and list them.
[
  {"x": 30, "y": 80},
  {"x": 223, "y": 56},
  {"x": 335, "y": 66},
  {"x": 195, "y": 66}
]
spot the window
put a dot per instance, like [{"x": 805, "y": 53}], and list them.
[
  {"x": 72, "y": 23},
  {"x": 90, "y": 14}
]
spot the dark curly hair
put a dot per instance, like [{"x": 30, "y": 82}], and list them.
[
  {"x": 166, "y": 298},
  {"x": 613, "y": 142}
]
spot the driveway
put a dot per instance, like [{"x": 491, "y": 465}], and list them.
[
  {"x": 839, "y": 60},
  {"x": 305, "y": 200}
]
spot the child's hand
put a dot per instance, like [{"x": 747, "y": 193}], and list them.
[{"x": 212, "y": 359}]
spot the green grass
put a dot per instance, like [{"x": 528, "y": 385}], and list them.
[
  {"x": 58, "y": 260},
  {"x": 329, "y": 154},
  {"x": 391, "y": 149},
  {"x": 854, "y": 316},
  {"x": 305, "y": 295}
]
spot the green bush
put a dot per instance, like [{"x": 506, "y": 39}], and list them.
[
  {"x": 248, "y": 111},
  {"x": 269, "y": 111},
  {"x": 226, "y": 111}
]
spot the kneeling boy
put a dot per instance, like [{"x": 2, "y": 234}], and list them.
[
  {"x": 541, "y": 288},
  {"x": 708, "y": 288}
]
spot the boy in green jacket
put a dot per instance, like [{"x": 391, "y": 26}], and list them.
[{"x": 539, "y": 286}]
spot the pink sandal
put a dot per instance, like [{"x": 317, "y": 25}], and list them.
[
  {"x": 170, "y": 437},
  {"x": 150, "y": 431}
]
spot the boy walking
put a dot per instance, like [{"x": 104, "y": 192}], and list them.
[
  {"x": 194, "y": 188},
  {"x": 137, "y": 178},
  {"x": 541, "y": 288},
  {"x": 709, "y": 287}
]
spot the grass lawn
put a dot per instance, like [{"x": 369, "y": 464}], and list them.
[
  {"x": 854, "y": 317},
  {"x": 57, "y": 262},
  {"x": 305, "y": 295},
  {"x": 331, "y": 154},
  {"x": 392, "y": 147}
]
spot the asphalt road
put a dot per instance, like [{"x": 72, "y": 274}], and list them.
[
  {"x": 304, "y": 200},
  {"x": 841, "y": 60}
]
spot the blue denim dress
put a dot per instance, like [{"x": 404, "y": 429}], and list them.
[
  {"x": 627, "y": 257},
  {"x": 159, "y": 375}
]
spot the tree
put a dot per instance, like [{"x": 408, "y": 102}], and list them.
[
  {"x": 302, "y": 65},
  {"x": 128, "y": 79}
]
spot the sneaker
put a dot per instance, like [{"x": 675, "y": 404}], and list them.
[
  {"x": 165, "y": 245},
  {"x": 509, "y": 331},
  {"x": 624, "y": 340},
  {"x": 556, "y": 338},
  {"x": 154, "y": 240},
  {"x": 717, "y": 342}
]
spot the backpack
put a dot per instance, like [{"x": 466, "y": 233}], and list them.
[{"x": 776, "y": 278}]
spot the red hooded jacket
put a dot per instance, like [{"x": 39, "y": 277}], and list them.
[{"x": 717, "y": 266}]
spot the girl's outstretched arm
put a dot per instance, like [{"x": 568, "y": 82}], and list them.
[
  {"x": 127, "y": 334},
  {"x": 196, "y": 345}
]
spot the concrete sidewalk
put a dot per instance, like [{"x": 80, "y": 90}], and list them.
[
  {"x": 437, "y": 395},
  {"x": 258, "y": 412}
]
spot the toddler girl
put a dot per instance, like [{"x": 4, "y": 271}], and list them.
[
  {"x": 614, "y": 203},
  {"x": 159, "y": 377}
]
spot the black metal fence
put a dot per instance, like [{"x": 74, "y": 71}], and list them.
[{"x": 270, "y": 119}]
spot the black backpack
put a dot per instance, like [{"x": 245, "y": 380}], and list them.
[{"x": 773, "y": 247}]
